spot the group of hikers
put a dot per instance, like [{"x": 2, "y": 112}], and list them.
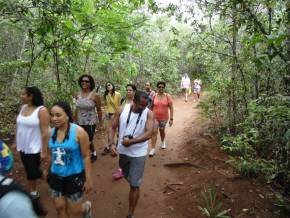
[
  {"x": 186, "y": 86},
  {"x": 57, "y": 144}
]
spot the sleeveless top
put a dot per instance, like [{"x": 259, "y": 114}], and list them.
[
  {"x": 125, "y": 101},
  {"x": 66, "y": 156},
  {"x": 138, "y": 149},
  {"x": 28, "y": 135},
  {"x": 86, "y": 107},
  {"x": 161, "y": 107}
]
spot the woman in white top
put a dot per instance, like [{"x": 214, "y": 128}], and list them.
[
  {"x": 185, "y": 85},
  {"x": 32, "y": 135}
]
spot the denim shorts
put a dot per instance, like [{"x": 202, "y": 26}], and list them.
[
  {"x": 160, "y": 124},
  {"x": 132, "y": 168},
  {"x": 71, "y": 186}
]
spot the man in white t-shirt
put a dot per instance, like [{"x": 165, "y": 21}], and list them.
[
  {"x": 135, "y": 123},
  {"x": 185, "y": 85}
]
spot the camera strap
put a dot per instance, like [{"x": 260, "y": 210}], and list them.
[{"x": 137, "y": 121}]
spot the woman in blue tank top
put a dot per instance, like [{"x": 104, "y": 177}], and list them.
[{"x": 69, "y": 163}]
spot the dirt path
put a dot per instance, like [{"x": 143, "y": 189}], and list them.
[{"x": 174, "y": 192}]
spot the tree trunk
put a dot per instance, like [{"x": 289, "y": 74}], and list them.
[
  {"x": 13, "y": 81},
  {"x": 256, "y": 81},
  {"x": 269, "y": 70},
  {"x": 234, "y": 70},
  {"x": 56, "y": 64},
  {"x": 32, "y": 59},
  {"x": 287, "y": 78}
]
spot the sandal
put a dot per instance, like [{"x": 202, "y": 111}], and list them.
[
  {"x": 106, "y": 151},
  {"x": 118, "y": 174}
]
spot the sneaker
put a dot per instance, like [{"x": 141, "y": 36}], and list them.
[
  {"x": 94, "y": 157},
  {"x": 152, "y": 152},
  {"x": 129, "y": 216},
  {"x": 106, "y": 151},
  {"x": 88, "y": 209},
  {"x": 35, "y": 195},
  {"x": 163, "y": 145},
  {"x": 118, "y": 174}
]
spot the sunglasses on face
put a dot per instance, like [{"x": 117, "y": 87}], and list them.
[
  {"x": 161, "y": 87},
  {"x": 109, "y": 85},
  {"x": 85, "y": 81}
]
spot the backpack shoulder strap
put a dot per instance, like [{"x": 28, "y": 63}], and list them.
[{"x": 123, "y": 99}]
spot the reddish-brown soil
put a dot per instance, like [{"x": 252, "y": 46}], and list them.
[{"x": 173, "y": 191}]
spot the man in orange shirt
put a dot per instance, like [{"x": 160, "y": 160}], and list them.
[{"x": 162, "y": 102}]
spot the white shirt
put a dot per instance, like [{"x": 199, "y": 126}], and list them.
[
  {"x": 185, "y": 82},
  {"x": 28, "y": 135},
  {"x": 196, "y": 87},
  {"x": 138, "y": 149}
]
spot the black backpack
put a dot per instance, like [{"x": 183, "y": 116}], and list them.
[{"x": 4, "y": 189}]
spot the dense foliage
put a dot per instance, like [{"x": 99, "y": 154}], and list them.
[
  {"x": 51, "y": 43},
  {"x": 247, "y": 63}
]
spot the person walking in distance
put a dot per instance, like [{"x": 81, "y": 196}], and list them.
[
  {"x": 128, "y": 99},
  {"x": 32, "y": 135},
  {"x": 135, "y": 123},
  {"x": 87, "y": 103},
  {"x": 196, "y": 90},
  {"x": 113, "y": 103},
  {"x": 69, "y": 169},
  {"x": 150, "y": 92},
  {"x": 185, "y": 85},
  {"x": 162, "y": 102}
]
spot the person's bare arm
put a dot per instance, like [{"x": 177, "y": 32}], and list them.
[
  {"x": 147, "y": 132},
  {"x": 75, "y": 111},
  {"x": 171, "y": 113},
  {"x": 112, "y": 131},
  {"x": 99, "y": 109},
  {"x": 44, "y": 125},
  {"x": 47, "y": 165},
  {"x": 84, "y": 142}
]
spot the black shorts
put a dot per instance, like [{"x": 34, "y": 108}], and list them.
[
  {"x": 31, "y": 163},
  {"x": 90, "y": 129},
  {"x": 68, "y": 185}
]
